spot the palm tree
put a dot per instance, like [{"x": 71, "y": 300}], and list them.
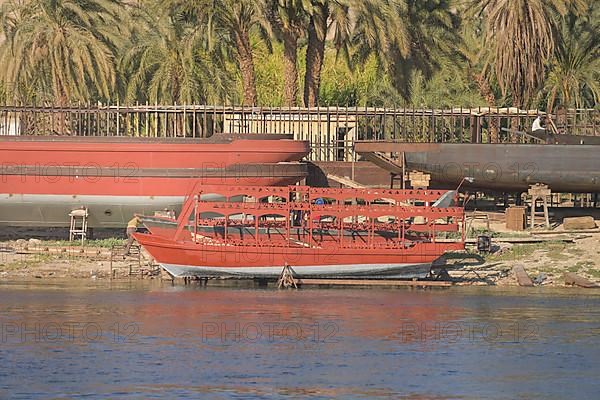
[
  {"x": 63, "y": 48},
  {"x": 232, "y": 22},
  {"x": 324, "y": 14},
  {"x": 166, "y": 62},
  {"x": 520, "y": 37},
  {"x": 378, "y": 29},
  {"x": 288, "y": 20},
  {"x": 574, "y": 74},
  {"x": 471, "y": 46},
  {"x": 433, "y": 42}
]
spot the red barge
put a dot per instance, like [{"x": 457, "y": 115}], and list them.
[
  {"x": 315, "y": 231},
  {"x": 44, "y": 178}
]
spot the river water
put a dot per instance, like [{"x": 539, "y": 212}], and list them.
[{"x": 152, "y": 340}]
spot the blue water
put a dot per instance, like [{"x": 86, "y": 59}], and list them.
[{"x": 144, "y": 340}]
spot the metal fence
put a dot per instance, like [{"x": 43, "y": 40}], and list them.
[{"x": 331, "y": 130}]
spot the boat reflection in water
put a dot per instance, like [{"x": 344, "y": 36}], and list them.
[{"x": 155, "y": 340}]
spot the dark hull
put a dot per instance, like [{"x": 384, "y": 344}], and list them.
[{"x": 501, "y": 167}]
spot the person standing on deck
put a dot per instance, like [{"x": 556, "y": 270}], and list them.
[
  {"x": 539, "y": 125},
  {"x": 132, "y": 226}
]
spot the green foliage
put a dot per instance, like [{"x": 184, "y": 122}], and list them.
[
  {"x": 446, "y": 88},
  {"x": 269, "y": 74},
  {"x": 62, "y": 49},
  {"x": 434, "y": 40},
  {"x": 167, "y": 63},
  {"x": 520, "y": 40},
  {"x": 433, "y": 53},
  {"x": 573, "y": 78},
  {"x": 366, "y": 84}
]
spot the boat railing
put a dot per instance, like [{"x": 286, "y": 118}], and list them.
[
  {"x": 330, "y": 130},
  {"x": 294, "y": 217},
  {"x": 333, "y": 210},
  {"x": 311, "y": 194},
  {"x": 422, "y": 246}
]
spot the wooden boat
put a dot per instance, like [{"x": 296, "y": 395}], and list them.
[
  {"x": 315, "y": 231},
  {"x": 43, "y": 178}
]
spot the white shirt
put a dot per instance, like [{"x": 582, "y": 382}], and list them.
[{"x": 537, "y": 124}]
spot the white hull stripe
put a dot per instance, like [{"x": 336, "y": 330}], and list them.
[{"x": 398, "y": 270}]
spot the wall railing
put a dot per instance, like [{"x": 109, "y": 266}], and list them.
[{"x": 331, "y": 130}]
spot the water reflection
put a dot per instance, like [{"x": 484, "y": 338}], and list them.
[{"x": 141, "y": 341}]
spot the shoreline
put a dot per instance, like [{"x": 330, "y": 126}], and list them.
[
  {"x": 97, "y": 259},
  {"x": 545, "y": 262}
]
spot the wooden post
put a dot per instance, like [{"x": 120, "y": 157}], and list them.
[
  {"x": 111, "y": 261},
  {"x": 403, "y": 171}
]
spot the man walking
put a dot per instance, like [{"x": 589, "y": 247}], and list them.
[{"x": 132, "y": 226}]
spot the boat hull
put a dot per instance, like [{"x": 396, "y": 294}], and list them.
[
  {"x": 166, "y": 228},
  {"x": 42, "y": 179},
  {"x": 501, "y": 167},
  {"x": 218, "y": 151},
  {"x": 104, "y": 211},
  {"x": 400, "y": 271},
  {"x": 27, "y": 200},
  {"x": 192, "y": 259}
]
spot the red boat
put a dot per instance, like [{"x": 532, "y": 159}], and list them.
[
  {"x": 42, "y": 179},
  {"x": 315, "y": 231}
]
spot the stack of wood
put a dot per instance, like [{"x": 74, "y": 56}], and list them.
[{"x": 419, "y": 180}]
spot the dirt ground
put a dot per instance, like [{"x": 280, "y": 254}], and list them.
[
  {"x": 547, "y": 261},
  {"x": 35, "y": 258},
  {"x": 544, "y": 262}
]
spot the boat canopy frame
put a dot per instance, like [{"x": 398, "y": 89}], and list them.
[{"x": 297, "y": 211}]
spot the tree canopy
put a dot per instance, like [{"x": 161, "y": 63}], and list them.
[{"x": 430, "y": 53}]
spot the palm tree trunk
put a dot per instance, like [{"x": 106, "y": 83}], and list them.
[
  {"x": 244, "y": 49},
  {"x": 315, "y": 54},
  {"x": 486, "y": 92},
  {"x": 61, "y": 101},
  {"x": 290, "y": 70}
]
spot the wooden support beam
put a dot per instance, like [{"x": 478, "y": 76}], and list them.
[
  {"x": 371, "y": 282},
  {"x": 573, "y": 279},
  {"x": 522, "y": 277},
  {"x": 515, "y": 240},
  {"x": 345, "y": 181}
]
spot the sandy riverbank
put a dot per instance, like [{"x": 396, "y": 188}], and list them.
[
  {"x": 35, "y": 258},
  {"x": 547, "y": 261}
]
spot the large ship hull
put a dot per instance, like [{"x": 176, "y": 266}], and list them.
[
  {"x": 129, "y": 153},
  {"x": 43, "y": 179},
  {"x": 500, "y": 167}
]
